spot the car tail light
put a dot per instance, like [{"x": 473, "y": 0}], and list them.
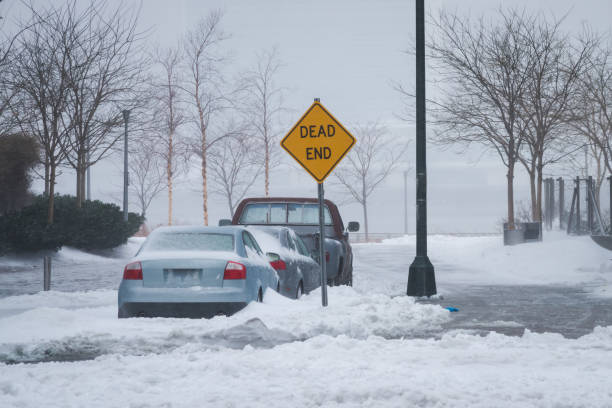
[
  {"x": 279, "y": 265},
  {"x": 234, "y": 270},
  {"x": 326, "y": 256},
  {"x": 133, "y": 271}
]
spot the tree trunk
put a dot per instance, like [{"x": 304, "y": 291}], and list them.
[
  {"x": 46, "y": 173},
  {"x": 267, "y": 170},
  {"x": 539, "y": 207},
  {"x": 169, "y": 174},
  {"x": 510, "y": 195},
  {"x": 532, "y": 191},
  {"x": 230, "y": 206},
  {"x": 365, "y": 207},
  {"x": 204, "y": 178},
  {"x": 50, "y": 210},
  {"x": 83, "y": 183},
  {"x": 78, "y": 186},
  {"x": 365, "y": 219},
  {"x": 80, "y": 182}
]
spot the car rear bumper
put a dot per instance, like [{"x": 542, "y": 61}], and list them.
[
  {"x": 134, "y": 299},
  {"x": 179, "y": 309}
]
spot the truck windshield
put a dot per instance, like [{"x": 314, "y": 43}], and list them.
[{"x": 283, "y": 213}]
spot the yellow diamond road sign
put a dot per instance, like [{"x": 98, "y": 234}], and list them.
[{"x": 318, "y": 142}]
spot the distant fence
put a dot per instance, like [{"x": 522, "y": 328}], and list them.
[{"x": 359, "y": 237}]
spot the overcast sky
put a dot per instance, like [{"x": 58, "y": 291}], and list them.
[{"x": 347, "y": 53}]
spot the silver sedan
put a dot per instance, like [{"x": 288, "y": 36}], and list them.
[
  {"x": 195, "y": 272},
  {"x": 298, "y": 272}
]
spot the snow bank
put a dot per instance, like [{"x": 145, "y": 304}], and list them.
[
  {"x": 559, "y": 259},
  {"x": 74, "y": 255},
  {"x": 536, "y": 370},
  {"x": 52, "y": 321}
]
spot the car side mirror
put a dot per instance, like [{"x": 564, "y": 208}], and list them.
[
  {"x": 273, "y": 257},
  {"x": 353, "y": 226},
  {"x": 225, "y": 222}
]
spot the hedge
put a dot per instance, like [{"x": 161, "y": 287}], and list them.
[{"x": 96, "y": 225}]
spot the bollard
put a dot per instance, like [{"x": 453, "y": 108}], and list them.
[
  {"x": 561, "y": 201},
  {"x": 47, "y": 273}
]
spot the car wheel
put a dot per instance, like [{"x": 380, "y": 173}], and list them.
[
  {"x": 260, "y": 296},
  {"x": 300, "y": 290},
  {"x": 278, "y": 287},
  {"x": 340, "y": 280}
]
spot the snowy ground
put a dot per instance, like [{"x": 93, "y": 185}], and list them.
[{"x": 371, "y": 347}]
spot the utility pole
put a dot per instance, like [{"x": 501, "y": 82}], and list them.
[
  {"x": 421, "y": 278},
  {"x": 126, "y": 117},
  {"x": 405, "y": 202}
]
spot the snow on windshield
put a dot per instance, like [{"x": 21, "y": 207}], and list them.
[{"x": 189, "y": 241}]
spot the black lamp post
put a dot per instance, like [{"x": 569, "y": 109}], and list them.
[{"x": 421, "y": 279}]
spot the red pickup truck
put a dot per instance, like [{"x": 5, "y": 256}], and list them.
[{"x": 302, "y": 215}]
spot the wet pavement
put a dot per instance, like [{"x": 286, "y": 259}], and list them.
[
  {"x": 569, "y": 311},
  {"x": 66, "y": 276}
]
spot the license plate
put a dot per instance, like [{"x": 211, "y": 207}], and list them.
[{"x": 182, "y": 277}]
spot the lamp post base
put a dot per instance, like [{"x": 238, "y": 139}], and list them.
[{"x": 421, "y": 279}]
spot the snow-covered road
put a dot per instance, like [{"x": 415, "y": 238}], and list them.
[{"x": 371, "y": 347}]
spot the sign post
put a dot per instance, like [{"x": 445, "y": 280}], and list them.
[
  {"x": 322, "y": 246},
  {"x": 318, "y": 142}
]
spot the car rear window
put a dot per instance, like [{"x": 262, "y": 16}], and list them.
[
  {"x": 189, "y": 241},
  {"x": 283, "y": 213}
]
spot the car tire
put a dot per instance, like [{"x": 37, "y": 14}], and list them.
[
  {"x": 299, "y": 291},
  {"x": 340, "y": 278},
  {"x": 260, "y": 296}
]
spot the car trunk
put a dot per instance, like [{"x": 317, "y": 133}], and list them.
[{"x": 183, "y": 273}]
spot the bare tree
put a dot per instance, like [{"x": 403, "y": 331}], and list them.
[
  {"x": 591, "y": 111},
  {"x": 41, "y": 89},
  {"x": 234, "y": 166},
  {"x": 553, "y": 77},
  {"x": 483, "y": 67},
  {"x": 263, "y": 105},
  {"x": 368, "y": 164},
  {"x": 168, "y": 116},
  {"x": 7, "y": 92},
  {"x": 104, "y": 69},
  {"x": 147, "y": 175},
  {"x": 204, "y": 88}
]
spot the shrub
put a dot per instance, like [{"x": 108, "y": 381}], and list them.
[
  {"x": 96, "y": 225},
  {"x": 18, "y": 156}
]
